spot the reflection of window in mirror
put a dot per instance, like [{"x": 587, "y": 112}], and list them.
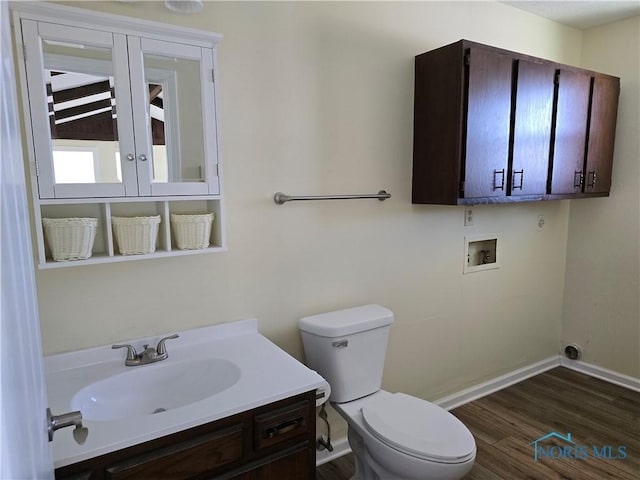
[
  {"x": 118, "y": 166},
  {"x": 105, "y": 165},
  {"x": 160, "y": 164},
  {"x": 74, "y": 166}
]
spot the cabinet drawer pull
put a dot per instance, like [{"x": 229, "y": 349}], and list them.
[
  {"x": 591, "y": 179},
  {"x": 284, "y": 427},
  {"x": 495, "y": 183},
  {"x": 521, "y": 173},
  {"x": 131, "y": 157}
]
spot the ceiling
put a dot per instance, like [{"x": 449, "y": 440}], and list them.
[{"x": 580, "y": 13}]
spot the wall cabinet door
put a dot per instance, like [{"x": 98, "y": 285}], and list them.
[
  {"x": 531, "y": 128},
  {"x": 116, "y": 115},
  {"x": 587, "y": 107},
  {"x": 602, "y": 129},
  {"x": 487, "y": 123},
  {"x": 572, "y": 112}
]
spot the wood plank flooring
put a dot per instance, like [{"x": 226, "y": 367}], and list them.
[{"x": 504, "y": 424}]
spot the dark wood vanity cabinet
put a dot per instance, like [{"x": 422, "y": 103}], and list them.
[
  {"x": 273, "y": 442},
  {"x": 496, "y": 126}
]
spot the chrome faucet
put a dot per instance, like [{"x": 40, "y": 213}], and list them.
[{"x": 150, "y": 354}]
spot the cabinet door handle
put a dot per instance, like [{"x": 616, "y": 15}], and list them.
[
  {"x": 131, "y": 157},
  {"x": 284, "y": 427},
  {"x": 495, "y": 183},
  {"x": 521, "y": 173},
  {"x": 591, "y": 179},
  {"x": 578, "y": 179},
  {"x": 142, "y": 157}
]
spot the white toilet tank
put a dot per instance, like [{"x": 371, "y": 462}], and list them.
[{"x": 347, "y": 347}]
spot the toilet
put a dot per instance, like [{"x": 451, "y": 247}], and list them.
[{"x": 393, "y": 436}]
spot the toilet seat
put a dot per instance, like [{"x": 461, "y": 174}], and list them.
[{"x": 418, "y": 428}]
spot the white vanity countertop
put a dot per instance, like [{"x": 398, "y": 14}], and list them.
[{"x": 268, "y": 374}]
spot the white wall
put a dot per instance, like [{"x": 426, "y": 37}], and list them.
[
  {"x": 318, "y": 98},
  {"x": 602, "y": 306}
]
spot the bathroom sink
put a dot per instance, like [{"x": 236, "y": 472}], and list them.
[{"x": 153, "y": 389}]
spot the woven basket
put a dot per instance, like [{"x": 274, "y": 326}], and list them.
[
  {"x": 192, "y": 232},
  {"x": 70, "y": 238},
  {"x": 136, "y": 235}
]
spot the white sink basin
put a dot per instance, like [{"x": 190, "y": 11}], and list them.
[{"x": 154, "y": 388}]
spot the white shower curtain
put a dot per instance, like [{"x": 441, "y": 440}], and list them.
[{"x": 24, "y": 449}]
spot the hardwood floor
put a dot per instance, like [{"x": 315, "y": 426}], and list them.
[{"x": 595, "y": 413}]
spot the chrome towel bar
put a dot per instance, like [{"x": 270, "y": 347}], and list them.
[{"x": 281, "y": 198}]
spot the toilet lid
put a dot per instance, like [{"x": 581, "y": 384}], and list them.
[{"x": 419, "y": 428}]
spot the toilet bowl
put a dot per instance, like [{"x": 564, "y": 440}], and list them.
[{"x": 393, "y": 436}]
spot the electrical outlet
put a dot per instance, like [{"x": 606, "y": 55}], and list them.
[
  {"x": 540, "y": 224},
  {"x": 468, "y": 217}
]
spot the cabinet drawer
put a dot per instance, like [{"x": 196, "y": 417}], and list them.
[
  {"x": 183, "y": 460},
  {"x": 281, "y": 425},
  {"x": 295, "y": 463}
]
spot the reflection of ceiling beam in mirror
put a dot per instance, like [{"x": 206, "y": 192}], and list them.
[
  {"x": 62, "y": 44},
  {"x": 76, "y": 95},
  {"x": 67, "y": 80},
  {"x": 83, "y": 92},
  {"x": 156, "y": 105},
  {"x": 156, "y": 112},
  {"x": 60, "y": 106},
  {"x": 158, "y": 102},
  {"x": 154, "y": 91},
  {"x": 78, "y": 113}
]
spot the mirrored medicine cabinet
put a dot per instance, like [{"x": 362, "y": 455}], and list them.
[{"x": 120, "y": 117}]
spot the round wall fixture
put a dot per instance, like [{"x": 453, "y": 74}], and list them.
[
  {"x": 184, "y": 6},
  {"x": 573, "y": 351}
]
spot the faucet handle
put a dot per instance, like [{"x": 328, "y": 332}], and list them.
[
  {"x": 161, "y": 349},
  {"x": 131, "y": 351}
]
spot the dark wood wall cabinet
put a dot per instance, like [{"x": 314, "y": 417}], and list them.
[
  {"x": 273, "y": 442},
  {"x": 494, "y": 126}
]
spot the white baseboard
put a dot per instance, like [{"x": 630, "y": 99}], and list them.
[
  {"x": 341, "y": 446},
  {"x": 490, "y": 386},
  {"x": 626, "y": 381}
]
